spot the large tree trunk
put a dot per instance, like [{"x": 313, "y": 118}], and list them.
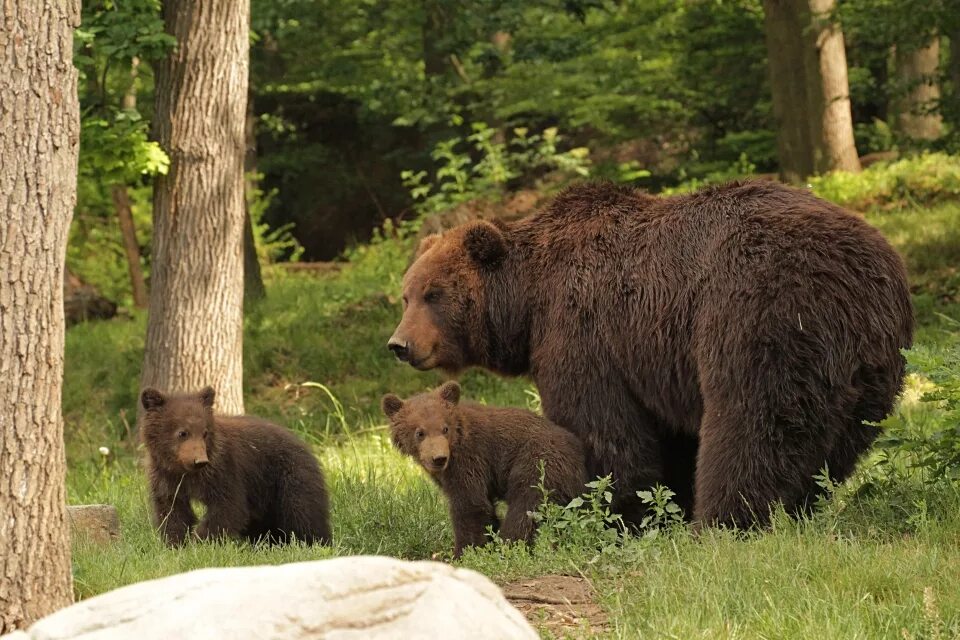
[
  {"x": 194, "y": 331},
  {"x": 828, "y": 91},
  {"x": 918, "y": 79},
  {"x": 39, "y": 136},
  {"x": 811, "y": 94},
  {"x": 788, "y": 88}
]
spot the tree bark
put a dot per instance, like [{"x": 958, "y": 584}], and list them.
[
  {"x": 918, "y": 79},
  {"x": 253, "y": 289},
  {"x": 785, "y": 46},
  {"x": 954, "y": 63},
  {"x": 195, "y": 326},
  {"x": 828, "y": 90},
  {"x": 39, "y": 138},
  {"x": 128, "y": 232},
  {"x": 811, "y": 93}
]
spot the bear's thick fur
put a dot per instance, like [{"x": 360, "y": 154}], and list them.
[
  {"x": 480, "y": 454},
  {"x": 746, "y": 331},
  {"x": 257, "y": 480}
]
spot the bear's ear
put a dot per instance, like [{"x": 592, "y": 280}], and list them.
[
  {"x": 486, "y": 244},
  {"x": 425, "y": 244},
  {"x": 450, "y": 392},
  {"x": 207, "y": 395},
  {"x": 151, "y": 399},
  {"x": 391, "y": 404}
]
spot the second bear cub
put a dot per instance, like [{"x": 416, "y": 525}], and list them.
[
  {"x": 480, "y": 454},
  {"x": 257, "y": 480}
]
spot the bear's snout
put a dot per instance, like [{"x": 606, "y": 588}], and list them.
[
  {"x": 400, "y": 348},
  {"x": 199, "y": 463},
  {"x": 439, "y": 462}
]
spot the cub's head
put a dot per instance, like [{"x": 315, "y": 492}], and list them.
[
  {"x": 428, "y": 427},
  {"x": 443, "y": 294},
  {"x": 178, "y": 430}
]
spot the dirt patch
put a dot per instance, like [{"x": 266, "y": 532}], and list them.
[{"x": 562, "y": 605}]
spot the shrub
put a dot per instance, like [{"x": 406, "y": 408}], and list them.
[{"x": 916, "y": 181}]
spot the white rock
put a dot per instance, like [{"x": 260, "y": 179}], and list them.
[{"x": 349, "y": 598}]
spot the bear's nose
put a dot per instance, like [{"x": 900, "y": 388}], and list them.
[
  {"x": 199, "y": 463},
  {"x": 439, "y": 461},
  {"x": 399, "y": 348}
]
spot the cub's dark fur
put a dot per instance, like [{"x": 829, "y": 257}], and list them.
[
  {"x": 481, "y": 454},
  {"x": 257, "y": 480}
]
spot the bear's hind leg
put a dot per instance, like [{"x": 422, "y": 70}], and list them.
[{"x": 748, "y": 461}]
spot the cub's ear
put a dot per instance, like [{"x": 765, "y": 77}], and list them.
[
  {"x": 391, "y": 404},
  {"x": 450, "y": 392},
  {"x": 207, "y": 395},
  {"x": 425, "y": 244},
  {"x": 151, "y": 399},
  {"x": 486, "y": 244}
]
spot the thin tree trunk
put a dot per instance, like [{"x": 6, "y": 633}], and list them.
[
  {"x": 917, "y": 76},
  {"x": 253, "y": 289},
  {"x": 828, "y": 90},
  {"x": 39, "y": 135},
  {"x": 954, "y": 63},
  {"x": 194, "y": 331},
  {"x": 128, "y": 232},
  {"x": 783, "y": 32}
]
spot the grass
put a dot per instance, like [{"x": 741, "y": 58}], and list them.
[{"x": 881, "y": 559}]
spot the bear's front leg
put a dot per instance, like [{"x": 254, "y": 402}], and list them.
[
  {"x": 172, "y": 513},
  {"x": 223, "y": 521},
  {"x": 470, "y": 521}
]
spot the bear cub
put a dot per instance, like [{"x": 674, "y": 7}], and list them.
[
  {"x": 257, "y": 480},
  {"x": 480, "y": 454}
]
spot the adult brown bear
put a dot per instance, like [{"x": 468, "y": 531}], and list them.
[{"x": 749, "y": 328}]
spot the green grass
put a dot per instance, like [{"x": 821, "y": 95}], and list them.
[{"x": 860, "y": 568}]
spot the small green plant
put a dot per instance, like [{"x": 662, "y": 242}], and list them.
[
  {"x": 273, "y": 245},
  {"x": 480, "y": 165},
  {"x": 586, "y": 522},
  {"x": 662, "y": 511}
]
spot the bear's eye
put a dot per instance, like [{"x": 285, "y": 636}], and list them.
[
  {"x": 182, "y": 434},
  {"x": 445, "y": 429},
  {"x": 419, "y": 434},
  {"x": 433, "y": 295}
]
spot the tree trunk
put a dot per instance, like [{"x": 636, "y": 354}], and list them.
[
  {"x": 788, "y": 88},
  {"x": 955, "y": 64},
  {"x": 39, "y": 137},
  {"x": 828, "y": 90},
  {"x": 195, "y": 326},
  {"x": 918, "y": 79},
  {"x": 121, "y": 203},
  {"x": 253, "y": 289}
]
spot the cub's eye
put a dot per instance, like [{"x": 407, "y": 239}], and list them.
[
  {"x": 433, "y": 295},
  {"x": 182, "y": 434},
  {"x": 445, "y": 430},
  {"x": 419, "y": 434}
]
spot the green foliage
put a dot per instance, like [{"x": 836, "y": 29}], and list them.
[
  {"x": 933, "y": 450},
  {"x": 459, "y": 178},
  {"x": 915, "y": 181},
  {"x": 663, "y": 511},
  {"x": 273, "y": 244},
  {"x": 586, "y": 522},
  {"x": 118, "y": 150}
]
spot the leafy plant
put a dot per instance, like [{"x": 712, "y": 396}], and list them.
[
  {"x": 662, "y": 512},
  {"x": 480, "y": 166},
  {"x": 586, "y": 522}
]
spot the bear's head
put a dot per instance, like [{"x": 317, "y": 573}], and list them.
[
  {"x": 427, "y": 427},
  {"x": 178, "y": 430},
  {"x": 444, "y": 297}
]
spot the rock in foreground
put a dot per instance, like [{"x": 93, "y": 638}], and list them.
[{"x": 340, "y": 599}]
